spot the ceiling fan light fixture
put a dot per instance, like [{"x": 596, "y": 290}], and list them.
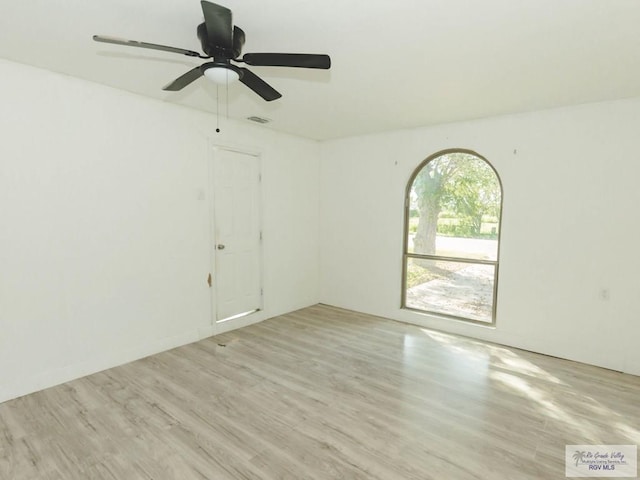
[{"x": 222, "y": 75}]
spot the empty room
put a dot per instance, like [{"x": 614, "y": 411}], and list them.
[{"x": 302, "y": 240}]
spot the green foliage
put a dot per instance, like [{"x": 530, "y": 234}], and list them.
[
  {"x": 460, "y": 187},
  {"x": 470, "y": 193},
  {"x": 465, "y": 230},
  {"x": 413, "y": 224},
  {"x": 452, "y": 226}
]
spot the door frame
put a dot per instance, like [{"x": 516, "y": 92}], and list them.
[{"x": 226, "y": 325}]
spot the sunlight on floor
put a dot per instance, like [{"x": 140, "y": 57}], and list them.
[{"x": 568, "y": 406}]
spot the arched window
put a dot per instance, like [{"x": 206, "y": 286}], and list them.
[{"x": 453, "y": 208}]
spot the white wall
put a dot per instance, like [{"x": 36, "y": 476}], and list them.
[
  {"x": 104, "y": 241},
  {"x": 570, "y": 227}
]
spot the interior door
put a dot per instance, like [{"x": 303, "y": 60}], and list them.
[{"x": 237, "y": 234}]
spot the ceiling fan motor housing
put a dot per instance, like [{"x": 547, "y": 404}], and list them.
[{"x": 216, "y": 51}]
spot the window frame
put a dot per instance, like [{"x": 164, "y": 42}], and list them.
[{"x": 406, "y": 255}]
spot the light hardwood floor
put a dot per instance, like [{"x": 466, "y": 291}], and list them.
[{"x": 321, "y": 393}]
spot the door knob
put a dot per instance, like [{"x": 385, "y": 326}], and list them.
[{"x": 220, "y": 246}]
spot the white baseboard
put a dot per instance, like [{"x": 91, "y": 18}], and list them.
[{"x": 206, "y": 332}]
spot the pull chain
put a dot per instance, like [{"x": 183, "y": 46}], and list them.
[{"x": 217, "y": 109}]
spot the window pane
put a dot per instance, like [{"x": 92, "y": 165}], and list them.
[
  {"x": 455, "y": 208},
  {"x": 475, "y": 248},
  {"x": 453, "y": 288}
]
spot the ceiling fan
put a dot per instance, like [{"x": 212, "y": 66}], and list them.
[{"x": 223, "y": 42}]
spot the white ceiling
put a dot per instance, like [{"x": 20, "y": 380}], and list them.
[{"x": 396, "y": 63}]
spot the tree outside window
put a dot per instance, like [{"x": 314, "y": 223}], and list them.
[{"x": 452, "y": 229}]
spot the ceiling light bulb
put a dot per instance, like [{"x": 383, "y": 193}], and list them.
[{"x": 221, "y": 75}]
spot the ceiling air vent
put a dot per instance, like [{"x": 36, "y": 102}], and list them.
[{"x": 259, "y": 119}]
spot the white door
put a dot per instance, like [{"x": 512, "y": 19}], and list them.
[{"x": 237, "y": 234}]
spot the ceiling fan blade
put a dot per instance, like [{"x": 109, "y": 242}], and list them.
[
  {"x": 258, "y": 85},
  {"x": 302, "y": 60},
  {"x": 219, "y": 24},
  {"x": 152, "y": 46},
  {"x": 184, "y": 80}
]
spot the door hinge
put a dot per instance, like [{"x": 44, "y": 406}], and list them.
[
  {"x": 260, "y": 236},
  {"x": 209, "y": 280}
]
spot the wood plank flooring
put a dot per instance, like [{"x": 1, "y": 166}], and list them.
[{"x": 321, "y": 393}]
